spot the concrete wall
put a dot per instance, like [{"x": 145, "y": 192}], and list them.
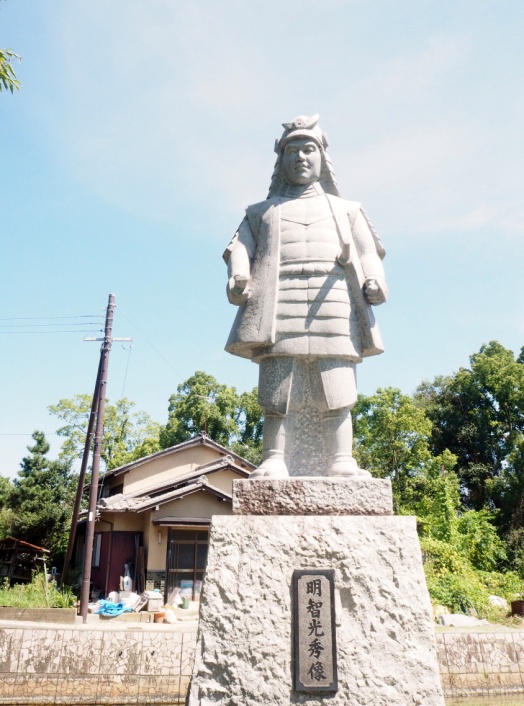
[
  {"x": 140, "y": 663},
  {"x": 133, "y": 663},
  {"x": 481, "y": 663}
]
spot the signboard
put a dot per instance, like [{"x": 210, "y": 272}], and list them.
[{"x": 315, "y": 646}]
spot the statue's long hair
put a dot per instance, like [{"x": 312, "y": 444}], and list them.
[{"x": 327, "y": 177}]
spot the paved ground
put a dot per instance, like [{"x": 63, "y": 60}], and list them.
[
  {"x": 489, "y": 627},
  {"x": 187, "y": 621}
]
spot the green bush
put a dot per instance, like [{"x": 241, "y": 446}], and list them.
[
  {"x": 454, "y": 582},
  {"x": 37, "y": 594},
  {"x": 508, "y": 585},
  {"x": 460, "y": 593}
]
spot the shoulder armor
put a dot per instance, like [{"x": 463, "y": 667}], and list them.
[{"x": 256, "y": 211}]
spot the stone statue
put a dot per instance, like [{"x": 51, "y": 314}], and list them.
[{"x": 304, "y": 268}]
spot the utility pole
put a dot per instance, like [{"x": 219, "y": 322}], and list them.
[
  {"x": 99, "y": 405},
  {"x": 99, "y": 431},
  {"x": 82, "y": 476}
]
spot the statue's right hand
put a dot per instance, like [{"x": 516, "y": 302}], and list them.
[{"x": 238, "y": 289}]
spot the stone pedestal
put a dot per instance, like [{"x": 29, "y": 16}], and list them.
[{"x": 385, "y": 638}]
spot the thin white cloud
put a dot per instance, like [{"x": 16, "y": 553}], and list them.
[{"x": 175, "y": 102}]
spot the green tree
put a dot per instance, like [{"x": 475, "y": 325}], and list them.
[
  {"x": 433, "y": 496},
  {"x": 41, "y": 499},
  {"x": 6, "y": 514},
  {"x": 392, "y": 440},
  {"x": 251, "y": 421},
  {"x": 478, "y": 414},
  {"x": 128, "y": 435},
  {"x": 5, "y": 490},
  {"x": 478, "y": 540},
  {"x": 391, "y": 437},
  {"x": 202, "y": 404},
  {"x": 8, "y": 80}
]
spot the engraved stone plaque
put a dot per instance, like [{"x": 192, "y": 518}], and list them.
[{"x": 315, "y": 647}]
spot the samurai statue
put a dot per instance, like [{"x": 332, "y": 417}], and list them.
[{"x": 305, "y": 269}]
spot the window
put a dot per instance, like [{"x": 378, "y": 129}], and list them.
[
  {"x": 186, "y": 561},
  {"x": 97, "y": 545},
  {"x": 117, "y": 489},
  {"x": 107, "y": 491}
]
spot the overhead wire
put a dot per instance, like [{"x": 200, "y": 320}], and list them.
[
  {"x": 80, "y": 323},
  {"x": 152, "y": 346},
  {"x": 21, "y": 324},
  {"x": 41, "y": 318},
  {"x": 127, "y": 368},
  {"x": 89, "y": 330},
  {"x": 47, "y": 433}
]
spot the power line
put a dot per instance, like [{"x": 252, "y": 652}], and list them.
[
  {"x": 47, "y": 433},
  {"x": 41, "y": 318},
  {"x": 127, "y": 368},
  {"x": 61, "y": 331},
  {"x": 80, "y": 323},
  {"x": 152, "y": 346}
]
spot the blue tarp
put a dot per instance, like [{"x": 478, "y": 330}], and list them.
[{"x": 112, "y": 609}]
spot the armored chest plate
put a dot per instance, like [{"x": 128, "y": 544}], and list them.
[{"x": 306, "y": 211}]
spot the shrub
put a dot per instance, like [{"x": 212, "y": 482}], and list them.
[{"x": 37, "y": 594}]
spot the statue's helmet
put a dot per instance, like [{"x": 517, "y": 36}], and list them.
[{"x": 300, "y": 127}]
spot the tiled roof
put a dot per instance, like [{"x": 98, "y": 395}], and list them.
[
  {"x": 200, "y": 439},
  {"x": 171, "y": 483},
  {"x": 182, "y": 521},
  {"x": 126, "y": 503}
]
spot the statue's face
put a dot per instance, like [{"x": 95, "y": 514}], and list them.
[{"x": 302, "y": 161}]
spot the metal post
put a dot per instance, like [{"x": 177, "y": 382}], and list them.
[{"x": 99, "y": 432}]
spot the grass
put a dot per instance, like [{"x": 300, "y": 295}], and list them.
[{"x": 37, "y": 594}]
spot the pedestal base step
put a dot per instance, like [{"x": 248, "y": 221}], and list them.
[{"x": 312, "y": 496}]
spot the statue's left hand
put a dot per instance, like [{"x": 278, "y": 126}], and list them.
[
  {"x": 376, "y": 291},
  {"x": 238, "y": 289}
]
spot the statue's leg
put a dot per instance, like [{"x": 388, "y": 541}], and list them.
[
  {"x": 273, "y": 448},
  {"x": 274, "y": 386},
  {"x": 337, "y": 431},
  {"x": 340, "y": 394}
]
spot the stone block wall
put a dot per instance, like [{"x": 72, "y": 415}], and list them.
[
  {"x": 481, "y": 663},
  {"x": 95, "y": 666},
  {"x": 125, "y": 664}
]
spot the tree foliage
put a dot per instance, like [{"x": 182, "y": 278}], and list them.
[
  {"x": 202, "y": 404},
  {"x": 251, "y": 423},
  {"x": 391, "y": 434},
  {"x": 395, "y": 438},
  {"x": 8, "y": 80},
  {"x": 40, "y": 499},
  {"x": 128, "y": 435},
  {"x": 478, "y": 414}
]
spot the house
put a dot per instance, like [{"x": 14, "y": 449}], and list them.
[{"x": 154, "y": 516}]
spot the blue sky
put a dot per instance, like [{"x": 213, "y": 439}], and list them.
[{"x": 143, "y": 129}]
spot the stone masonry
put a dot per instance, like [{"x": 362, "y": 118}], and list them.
[
  {"x": 95, "y": 665},
  {"x": 385, "y": 633}
]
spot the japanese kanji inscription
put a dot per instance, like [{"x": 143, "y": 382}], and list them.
[{"x": 315, "y": 650}]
